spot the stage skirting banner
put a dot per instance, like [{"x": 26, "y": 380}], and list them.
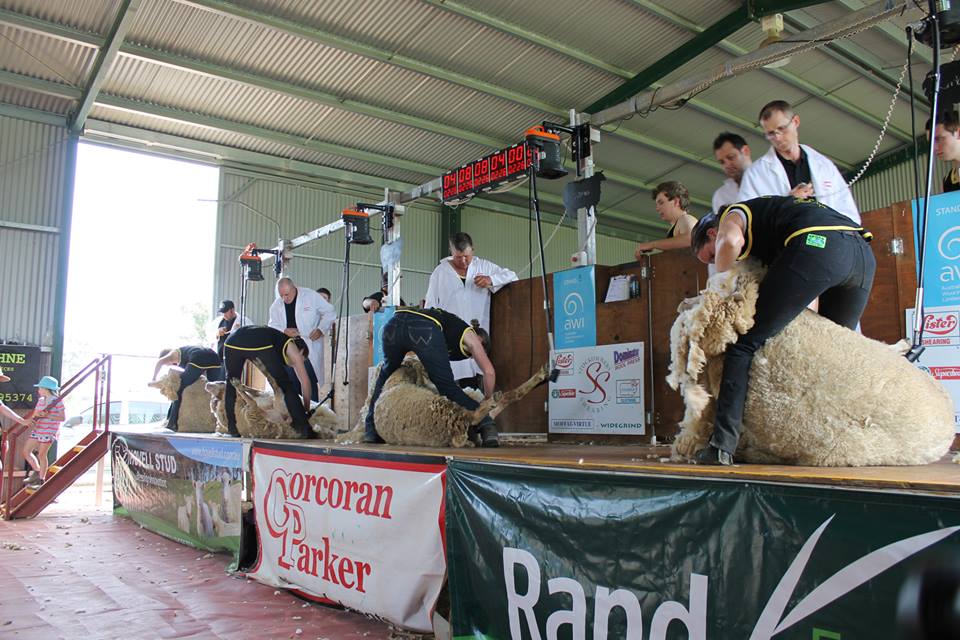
[
  {"x": 364, "y": 530},
  {"x": 538, "y": 553},
  {"x": 187, "y": 489},
  {"x": 599, "y": 390}
]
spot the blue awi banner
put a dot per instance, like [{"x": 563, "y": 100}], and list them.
[
  {"x": 941, "y": 281},
  {"x": 380, "y": 320},
  {"x": 575, "y": 308}
]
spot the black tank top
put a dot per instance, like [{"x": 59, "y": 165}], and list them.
[
  {"x": 251, "y": 339},
  {"x": 773, "y": 221},
  {"x": 201, "y": 357},
  {"x": 454, "y": 329}
]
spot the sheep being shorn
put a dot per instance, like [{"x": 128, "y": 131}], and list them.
[
  {"x": 195, "y": 415},
  {"x": 410, "y": 411},
  {"x": 819, "y": 394},
  {"x": 262, "y": 414}
]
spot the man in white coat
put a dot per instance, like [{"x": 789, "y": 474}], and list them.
[
  {"x": 791, "y": 168},
  {"x": 304, "y": 313},
  {"x": 462, "y": 285}
]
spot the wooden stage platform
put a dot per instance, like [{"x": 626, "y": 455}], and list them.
[{"x": 940, "y": 478}]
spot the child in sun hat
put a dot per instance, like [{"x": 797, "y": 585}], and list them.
[{"x": 47, "y": 417}]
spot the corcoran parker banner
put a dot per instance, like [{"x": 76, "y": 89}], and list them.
[
  {"x": 188, "y": 489},
  {"x": 22, "y": 365},
  {"x": 544, "y": 553},
  {"x": 362, "y": 530}
]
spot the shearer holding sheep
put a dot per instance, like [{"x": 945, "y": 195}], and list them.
[
  {"x": 276, "y": 351},
  {"x": 195, "y": 361},
  {"x": 437, "y": 338},
  {"x": 811, "y": 251}
]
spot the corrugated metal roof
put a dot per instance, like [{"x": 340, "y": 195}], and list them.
[{"x": 424, "y": 60}]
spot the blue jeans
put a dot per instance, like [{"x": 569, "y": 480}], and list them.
[{"x": 409, "y": 332}]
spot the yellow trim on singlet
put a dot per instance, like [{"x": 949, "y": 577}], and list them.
[
  {"x": 269, "y": 346},
  {"x": 799, "y": 232},
  {"x": 423, "y": 315},
  {"x": 746, "y": 210},
  {"x": 215, "y": 366}
]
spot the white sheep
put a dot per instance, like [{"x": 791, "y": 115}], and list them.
[
  {"x": 264, "y": 414},
  {"x": 410, "y": 411},
  {"x": 195, "y": 415},
  {"x": 232, "y": 496},
  {"x": 204, "y": 515},
  {"x": 222, "y": 528},
  {"x": 819, "y": 394}
]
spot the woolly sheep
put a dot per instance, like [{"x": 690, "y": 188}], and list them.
[
  {"x": 262, "y": 414},
  {"x": 183, "y": 516},
  {"x": 221, "y": 528},
  {"x": 232, "y": 496},
  {"x": 204, "y": 515},
  {"x": 819, "y": 394},
  {"x": 195, "y": 416},
  {"x": 410, "y": 411}
]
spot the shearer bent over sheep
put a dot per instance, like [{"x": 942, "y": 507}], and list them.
[
  {"x": 812, "y": 251},
  {"x": 195, "y": 361},
  {"x": 437, "y": 338},
  {"x": 275, "y": 351}
]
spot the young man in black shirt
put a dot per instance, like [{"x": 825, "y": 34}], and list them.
[{"x": 811, "y": 251}]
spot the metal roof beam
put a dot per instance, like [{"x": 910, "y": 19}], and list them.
[
  {"x": 703, "y": 41},
  {"x": 790, "y": 78},
  {"x": 51, "y": 29},
  {"x": 126, "y": 13},
  {"x": 892, "y": 32},
  {"x": 344, "y": 44}
]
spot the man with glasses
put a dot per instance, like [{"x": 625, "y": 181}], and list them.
[{"x": 793, "y": 169}]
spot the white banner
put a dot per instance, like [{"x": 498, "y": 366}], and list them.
[
  {"x": 941, "y": 358},
  {"x": 364, "y": 532},
  {"x": 599, "y": 390}
]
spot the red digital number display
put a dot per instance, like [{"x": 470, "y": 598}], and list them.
[{"x": 487, "y": 173}]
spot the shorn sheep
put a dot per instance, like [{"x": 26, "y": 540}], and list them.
[
  {"x": 410, "y": 411},
  {"x": 264, "y": 414},
  {"x": 819, "y": 394},
  {"x": 195, "y": 416}
]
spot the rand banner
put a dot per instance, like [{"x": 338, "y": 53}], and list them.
[
  {"x": 187, "y": 489},
  {"x": 545, "y": 553},
  {"x": 360, "y": 529}
]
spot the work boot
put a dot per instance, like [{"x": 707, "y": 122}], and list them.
[
  {"x": 488, "y": 433},
  {"x": 372, "y": 438},
  {"x": 473, "y": 436},
  {"x": 713, "y": 456},
  {"x": 306, "y": 433}
]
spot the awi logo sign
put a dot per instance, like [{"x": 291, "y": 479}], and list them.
[{"x": 575, "y": 308}]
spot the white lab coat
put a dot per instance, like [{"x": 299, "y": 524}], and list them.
[
  {"x": 313, "y": 312},
  {"x": 466, "y": 300},
  {"x": 766, "y": 177},
  {"x": 726, "y": 194}
]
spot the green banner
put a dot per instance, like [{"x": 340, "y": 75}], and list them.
[
  {"x": 187, "y": 489},
  {"x": 541, "y": 553}
]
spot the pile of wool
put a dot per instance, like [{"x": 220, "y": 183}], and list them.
[
  {"x": 195, "y": 416},
  {"x": 819, "y": 394}
]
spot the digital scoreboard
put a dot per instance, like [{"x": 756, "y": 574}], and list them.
[{"x": 487, "y": 173}]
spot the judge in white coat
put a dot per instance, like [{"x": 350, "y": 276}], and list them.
[
  {"x": 462, "y": 285},
  {"x": 303, "y": 312},
  {"x": 791, "y": 168}
]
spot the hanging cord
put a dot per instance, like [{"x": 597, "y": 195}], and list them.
[{"x": 913, "y": 117}]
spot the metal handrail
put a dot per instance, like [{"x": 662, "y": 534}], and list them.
[{"x": 102, "y": 366}]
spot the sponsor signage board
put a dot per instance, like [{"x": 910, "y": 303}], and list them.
[
  {"x": 599, "y": 390},
  {"x": 22, "y": 365},
  {"x": 359, "y": 529},
  {"x": 941, "y": 280},
  {"x": 567, "y": 553},
  {"x": 575, "y": 308},
  {"x": 941, "y": 358}
]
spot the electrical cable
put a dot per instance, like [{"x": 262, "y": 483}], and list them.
[{"x": 913, "y": 117}]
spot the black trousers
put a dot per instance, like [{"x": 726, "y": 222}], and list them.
[
  {"x": 840, "y": 274},
  {"x": 409, "y": 332},
  {"x": 190, "y": 375},
  {"x": 234, "y": 360}
]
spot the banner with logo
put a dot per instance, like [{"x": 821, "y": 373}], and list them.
[
  {"x": 599, "y": 390},
  {"x": 537, "y": 552},
  {"x": 360, "y": 529},
  {"x": 22, "y": 365},
  {"x": 380, "y": 320},
  {"x": 941, "y": 280},
  {"x": 941, "y": 358},
  {"x": 575, "y": 308},
  {"x": 187, "y": 489}
]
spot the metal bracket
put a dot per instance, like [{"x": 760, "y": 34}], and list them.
[
  {"x": 896, "y": 246},
  {"x": 646, "y": 272}
]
